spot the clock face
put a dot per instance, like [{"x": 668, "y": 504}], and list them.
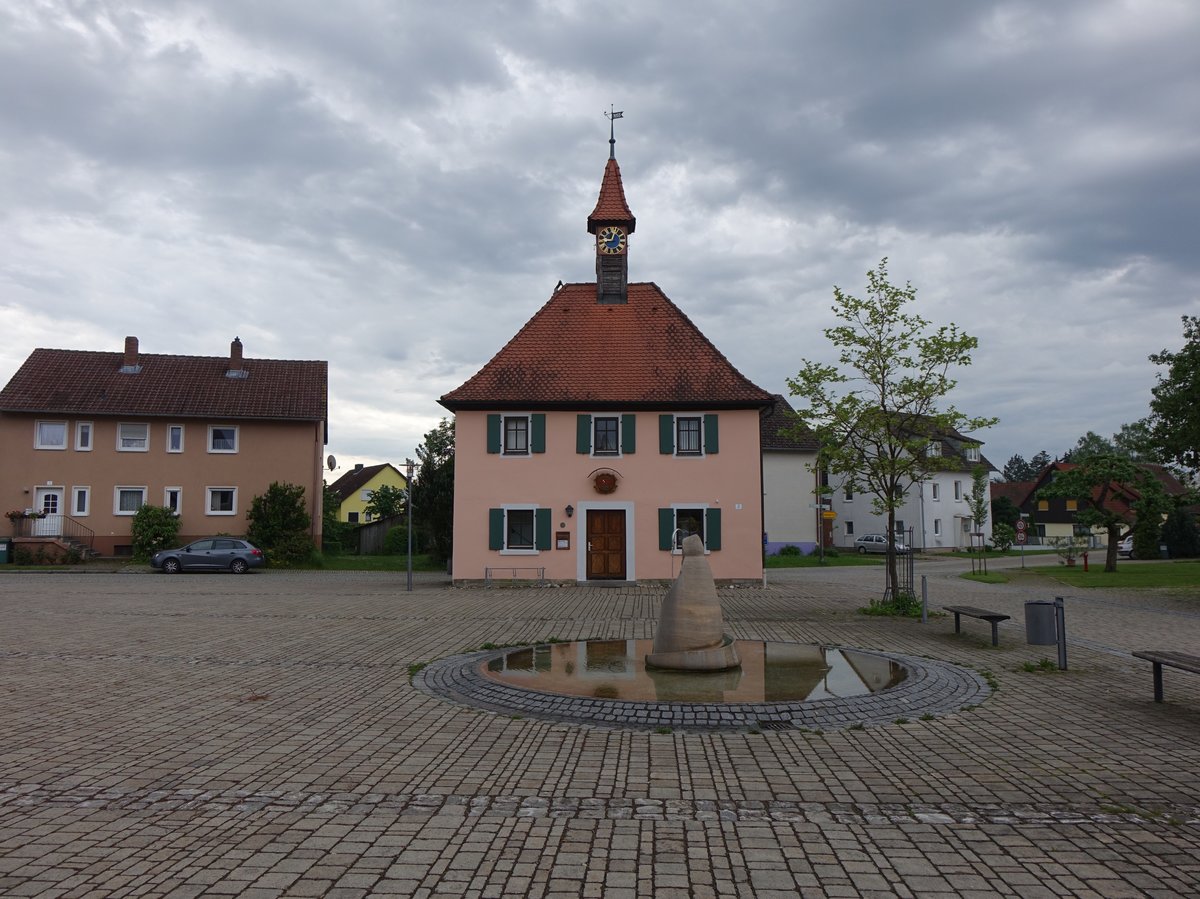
[{"x": 611, "y": 240}]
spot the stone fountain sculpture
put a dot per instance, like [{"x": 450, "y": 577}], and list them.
[{"x": 691, "y": 632}]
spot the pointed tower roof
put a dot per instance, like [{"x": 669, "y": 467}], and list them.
[{"x": 611, "y": 208}]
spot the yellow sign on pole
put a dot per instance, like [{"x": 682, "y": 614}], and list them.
[{"x": 829, "y": 514}]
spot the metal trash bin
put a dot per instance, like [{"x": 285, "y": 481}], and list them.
[
  {"x": 1040, "y": 627},
  {"x": 5, "y": 550}
]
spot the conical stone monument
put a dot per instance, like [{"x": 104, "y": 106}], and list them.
[{"x": 691, "y": 632}]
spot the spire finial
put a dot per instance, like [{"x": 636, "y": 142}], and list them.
[{"x": 612, "y": 116}]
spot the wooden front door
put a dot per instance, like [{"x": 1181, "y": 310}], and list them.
[{"x": 606, "y": 545}]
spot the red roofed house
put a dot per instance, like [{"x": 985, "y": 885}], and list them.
[
  {"x": 605, "y": 429},
  {"x": 87, "y": 438}
]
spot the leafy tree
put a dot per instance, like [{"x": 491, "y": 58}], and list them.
[
  {"x": 335, "y": 534},
  {"x": 1003, "y": 536},
  {"x": 1037, "y": 462},
  {"x": 1174, "y": 425},
  {"x": 154, "y": 528},
  {"x": 977, "y": 502},
  {"x": 1146, "y": 531},
  {"x": 876, "y": 414},
  {"x": 1096, "y": 483},
  {"x": 1090, "y": 444},
  {"x": 433, "y": 490},
  {"x": 280, "y": 525},
  {"x": 1017, "y": 469},
  {"x": 386, "y": 502},
  {"x": 1005, "y": 511},
  {"x": 1180, "y": 535},
  {"x": 1133, "y": 440}
]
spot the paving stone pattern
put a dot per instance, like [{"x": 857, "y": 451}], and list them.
[{"x": 260, "y": 736}]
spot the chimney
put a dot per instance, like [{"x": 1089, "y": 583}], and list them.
[
  {"x": 236, "y": 368},
  {"x": 129, "y": 365},
  {"x": 358, "y": 466}
]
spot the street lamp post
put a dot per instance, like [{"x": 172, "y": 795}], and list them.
[{"x": 408, "y": 474}]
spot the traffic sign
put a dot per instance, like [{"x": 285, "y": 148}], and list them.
[
  {"x": 1020, "y": 536},
  {"x": 1020, "y": 525}
]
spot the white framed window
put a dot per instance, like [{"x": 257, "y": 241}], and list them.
[
  {"x": 520, "y": 529},
  {"x": 352, "y": 517},
  {"x": 972, "y": 453},
  {"x": 173, "y": 499},
  {"x": 934, "y": 449},
  {"x": 81, "y": 501},
  {"x": 848, "y": 494},
  {"x": 514, "y": 435},
  {"x": 220, "y": 501},
  {"x": 50, "y": 435},
  {"x": 133, "y": 437},
  {"x": 222, "y": 438},
  {"x": 127, "y": 500},
  {"x": 958, "y": 489},
  {"x": 690, "y": 520},
  {"x": 174, "y": 438},
  {"x": 83, "y": 436},
  {"x": 606, "y": 435},
  {"x": 365, "y": 495},
  {"x": 936, "y": 489},
  {"x": 937, "y": 527},
  {"x": 849, "y": 528},
  {"x": 689, "y": 435}
]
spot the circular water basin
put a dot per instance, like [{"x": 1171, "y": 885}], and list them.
[
  {"x": 779, "y": 686},
  {"x": 770, "y": 672}
]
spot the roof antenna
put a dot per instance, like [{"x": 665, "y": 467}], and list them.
[{"x": 612, "y": 116}]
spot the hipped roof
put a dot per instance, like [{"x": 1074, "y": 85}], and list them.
[{"x": 577, "y": 353}]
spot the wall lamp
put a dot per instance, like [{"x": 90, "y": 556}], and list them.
[{"x": 570, "y": 511}]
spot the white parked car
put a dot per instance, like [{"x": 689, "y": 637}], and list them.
[
  {"x": 1125, "y": 547},
  {"x": 877, "y": 543}
]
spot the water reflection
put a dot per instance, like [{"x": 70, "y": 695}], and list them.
[{"x": 770, "y": 672}]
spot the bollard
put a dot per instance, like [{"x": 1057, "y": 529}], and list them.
[
  {"x": 924, "y": 600},
  {"x": 1060, "y": 619}
]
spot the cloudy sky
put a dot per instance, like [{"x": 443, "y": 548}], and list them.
[{"x": 396, "y": 187}]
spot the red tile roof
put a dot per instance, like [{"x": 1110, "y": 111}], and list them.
[
  {"x": 611, "y": 207},
  {"x": 576, "y": 353},
  {"x": 781, "y": 429},
  {"x": 82, "y": 382}
]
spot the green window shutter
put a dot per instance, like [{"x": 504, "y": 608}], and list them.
[
  {"x": 541, "y": 529},
  {"x": 628, "y": 434},
  {"x": 666, "y": 527},
  {"x": 712, "y": 529},
  {"x": 711, "y": 443},
  {"x": 493, "y": 434},
  {"x": 537, "y": 435},
  {"x": 666, "y": 434},
  {"x": 495, "y": 529},
  {"x": 583, "y": 434}
]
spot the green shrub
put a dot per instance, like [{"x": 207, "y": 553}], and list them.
[
  {"x": 395, "y": 543},
  {"x": 831, "y": 552},
  {"x": 1145, "y": 537},
  {"x": 154, "y": 528},
  {"x": 1004, "y": 536},
  {"x": 1180, "y": 535},
  {"x": 279, "y": 525},
  {"x": 790, "y": 550}
]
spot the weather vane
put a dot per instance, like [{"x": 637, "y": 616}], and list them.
[{"x": 612, "y": 116}]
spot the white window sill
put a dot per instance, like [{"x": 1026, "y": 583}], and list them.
[{"x": 519, "y": 552}]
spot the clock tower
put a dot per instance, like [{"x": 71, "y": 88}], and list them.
[{"x": 611, "y": 222}]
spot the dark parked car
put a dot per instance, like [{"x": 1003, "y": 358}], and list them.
[
  {"x": 877, "y": 543},
  {"x": 210, "y": 554}
]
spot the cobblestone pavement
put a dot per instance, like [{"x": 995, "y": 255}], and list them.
[{"x": 259, "y": 736}]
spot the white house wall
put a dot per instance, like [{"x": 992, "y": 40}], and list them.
[{"x": 788, "y": 500}]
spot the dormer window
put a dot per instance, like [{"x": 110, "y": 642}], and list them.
[
  {"x": 934, "y": 449},
  {"x": 972, "y": 453}
]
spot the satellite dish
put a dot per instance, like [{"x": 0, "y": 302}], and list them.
[{"x": 331, "y": 462}]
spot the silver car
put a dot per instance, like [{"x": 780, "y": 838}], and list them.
[{"x": 877, "y": 543}]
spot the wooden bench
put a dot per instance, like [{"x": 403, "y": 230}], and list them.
[
  {"x": 994, "y": 618},
  {"x": 1181, "y": 660}
]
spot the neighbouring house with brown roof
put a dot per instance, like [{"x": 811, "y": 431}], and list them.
[
  {"x": 355, "y": 488},
  {"x": 87, "y": 438},
  {"x": 604, "y": 431},
  {"x": 792, "y": 513},
  {"x": 1054, "y": 517}
]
